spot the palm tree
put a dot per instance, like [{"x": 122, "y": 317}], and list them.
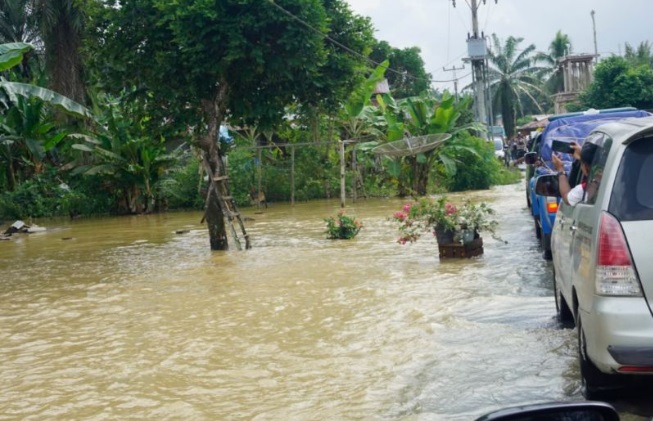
[
  {"x": 511, "y": 73},
  {"x": 17, "y": 22},
  {"x": 559, "y": 48},
  {"x": 642, "y": 56},
  {"x": 60, "y": 24}
]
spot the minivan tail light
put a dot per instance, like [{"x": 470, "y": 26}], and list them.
[{"x": 615, "y": 274}]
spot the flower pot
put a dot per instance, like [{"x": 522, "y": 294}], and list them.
[
  {"x": 458, "y": 251},
  {"x": 468, "y": 236},
  {"x": 444, "y": 236}
]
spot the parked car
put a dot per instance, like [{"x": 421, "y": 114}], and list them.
[
  {"x": 570, "y": 127},
  {"x": 602, "y": 258}
]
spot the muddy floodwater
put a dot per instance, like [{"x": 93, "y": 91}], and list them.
[{"x": 123, "y": 318}]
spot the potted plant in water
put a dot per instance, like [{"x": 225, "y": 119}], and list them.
[
  {"x": 342, "y": 227},
  {"x": 451, "y": 225}
]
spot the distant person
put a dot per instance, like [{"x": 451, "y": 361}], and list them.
[{"x": 585, "y": 156}]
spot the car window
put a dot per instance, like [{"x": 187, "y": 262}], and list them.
[
  {"x": 604, "y": 143},
  {"x": 632, "y": 198}
]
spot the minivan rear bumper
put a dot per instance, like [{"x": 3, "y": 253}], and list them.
[{"x": 619, "y": 332}]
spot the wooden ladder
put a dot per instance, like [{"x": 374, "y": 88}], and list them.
[{"x": 218, "y": 186}]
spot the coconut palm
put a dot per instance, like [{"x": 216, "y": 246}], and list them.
[
  {"x": 511, "y": 75},
  {"x": 559, "y": 48}
]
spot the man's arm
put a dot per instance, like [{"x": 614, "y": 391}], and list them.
[{"x": 563, "y": 181}]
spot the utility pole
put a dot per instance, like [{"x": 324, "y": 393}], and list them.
[
  {"x": 596, "y": 50},
  {"x": 477, "y": 50},
  {"x": 455, "y": 78}
]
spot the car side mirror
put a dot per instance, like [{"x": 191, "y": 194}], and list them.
[
  {"x": 585, "y": 411},
  {"x": 547, "y": 185},
  {"x": 530, "y": 158}
]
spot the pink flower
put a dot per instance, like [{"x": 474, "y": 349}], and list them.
[
  {"x": 450, "y": 209},
  {"x": 401, "y": 216},
  {"x": 407, "y": 207}
]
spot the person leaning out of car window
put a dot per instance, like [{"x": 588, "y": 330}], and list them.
[{"x": 584, "y": 156}]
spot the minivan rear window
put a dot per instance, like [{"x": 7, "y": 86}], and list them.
[{"x": 632, "y": 193}]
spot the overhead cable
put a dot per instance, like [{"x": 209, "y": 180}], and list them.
[{"x": 349, "y": 50}]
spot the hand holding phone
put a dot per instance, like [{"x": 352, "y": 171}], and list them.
[{"x": 561, "y": 146}]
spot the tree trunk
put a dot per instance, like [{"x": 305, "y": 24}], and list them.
[
  {"x": 421, "y": 179},
  {"x": 213, "y": 113},
  {"x": 11, "y": 175},
  {"x": 62, "y": 45}
]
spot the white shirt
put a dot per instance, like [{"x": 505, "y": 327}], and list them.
[{"x": 576, "y": 195}]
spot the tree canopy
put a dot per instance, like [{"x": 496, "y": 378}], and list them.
[
  {"x": 511, "y": 74},
  {"x": 408, "y": 76},
  {"x": 617, "y": 83}
]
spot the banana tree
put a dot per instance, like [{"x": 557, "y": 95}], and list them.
[
  {"x": 27, "y": 132},
  {"x": 355, "y": 115},
  {"x": 420, "y": 116},
  {"x": 121, "y": 151}
]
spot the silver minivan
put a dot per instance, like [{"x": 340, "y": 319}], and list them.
[{"x": 603, "y": 258}]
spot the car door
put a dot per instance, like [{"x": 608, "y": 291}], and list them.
[
  {"x": 583, "y": 224},
  {"x": 562, "y": 241}
]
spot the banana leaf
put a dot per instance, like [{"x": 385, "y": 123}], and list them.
[
  {"x": 11, "y": 54},
  {"x": 16, "y": 89}
]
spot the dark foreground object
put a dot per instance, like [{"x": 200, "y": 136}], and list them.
[{"x": 457, "y": 251}]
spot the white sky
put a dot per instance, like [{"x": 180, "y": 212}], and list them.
[{"x": 440, "y": 30}]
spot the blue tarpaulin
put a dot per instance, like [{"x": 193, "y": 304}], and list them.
[{"x": 576, "y": 129}]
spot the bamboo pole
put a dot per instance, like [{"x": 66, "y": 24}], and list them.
[
  {"x": 292, "y": 175},
  {"x": 260, "y": 165},
  {"x": 343, "y": 191},
  {"x": 354, "y": 170}
]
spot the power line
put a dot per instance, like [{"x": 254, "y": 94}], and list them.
[{"x": 349, "y": 50}]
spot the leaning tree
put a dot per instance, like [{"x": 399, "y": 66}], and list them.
[{"x": 199, "y": 62}]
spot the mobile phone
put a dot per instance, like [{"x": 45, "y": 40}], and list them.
[{"x": 561, "y": 146}]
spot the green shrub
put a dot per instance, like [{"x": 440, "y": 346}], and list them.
[
  {"x": 50, "y": 194},
  {"x": 179, "y": 187},
  {"x": 342, "y": 227},
  {"x": 475, "y": 171}
]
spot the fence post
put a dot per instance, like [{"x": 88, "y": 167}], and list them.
[
  {"x": 343, "y": 191},
  {"x": 292, "y": 175}
]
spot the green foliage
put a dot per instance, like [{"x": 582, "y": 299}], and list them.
[
  {"x": 426, "y": 115},
  {"x": 122, "y": 151},
  {"x": 478, "y": 168},
  {"x": 409, "y": 77},
  {"x": 507, "y": 175},
  {"x": 258, "y": 57},
  {"x": 180, "y": 187},
  {"x": 559, "y": 48},
  {"x": 46, "y": 195},
  {"x": 512, "y": 76},
  {"x": 426, "y": 214},
  {"x": 640, "y": 56},
  {"x": 342, "y": 227},
  {"x": 618, "y": 84}
]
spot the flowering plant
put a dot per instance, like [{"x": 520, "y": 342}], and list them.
[
  {"x": 440, "y": 215},
  {"x": 342, "y": 226}
]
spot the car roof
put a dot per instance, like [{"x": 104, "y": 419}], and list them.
[{"x": 626, "y": 130}]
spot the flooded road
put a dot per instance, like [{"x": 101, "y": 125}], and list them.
[{"x": 125, "y": 319}]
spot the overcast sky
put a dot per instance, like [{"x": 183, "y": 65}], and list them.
[{"x": 440, "y": 30}]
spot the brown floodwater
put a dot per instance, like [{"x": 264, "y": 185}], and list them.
[{"x": 123, "y": 318}]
